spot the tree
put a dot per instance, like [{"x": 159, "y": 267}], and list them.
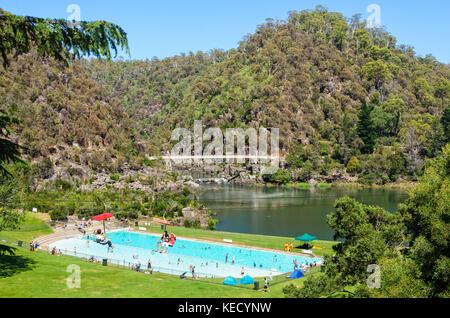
[
  {"x": 366, "y": 235},
  {"x": 376, "y": 72},
  {"x": 445, "y": 121},
  {"x": 50, "y": 37},
  {"x": 353, "y": 165},
  {"x": 297, "y": 156},
  {"x": 417, "y": 138},
  {"x": 442, "y": 89},
  {"x": 366, "y": 129},
  {"x": 9, "y": 151},
  {"x": 422, "y": 90},
  {"x": 9, "y": 219},
  {"x": 58, "y": 38},
  {"x": 427, "y": 216},
  {"x": 400, "y": 277},
  {"x": 387, "y": 116}
]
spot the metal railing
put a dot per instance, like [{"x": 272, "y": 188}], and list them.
[{"x": 130, "y": 264}]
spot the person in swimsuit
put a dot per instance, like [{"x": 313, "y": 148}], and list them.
[{"x": 162, "y": 240}]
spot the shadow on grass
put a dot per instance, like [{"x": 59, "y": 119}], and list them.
[
  {"x": 14, "y": 264},
  {"x": 304, "y": 246}
]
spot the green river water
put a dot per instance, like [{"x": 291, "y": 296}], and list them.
[{"x": 287, "y": 212}]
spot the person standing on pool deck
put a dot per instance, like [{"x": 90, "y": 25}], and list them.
[
  {"x": 232, "y": 260},
  {"x": 266, "y": 285},
  {"x": 149, "y": 264},
  {"x": 242, "y": 271},
  {"x": 226, "y": 258}
]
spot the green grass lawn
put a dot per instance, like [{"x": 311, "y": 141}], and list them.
[
  {"x": 39, "y": 274},
  {"x": 32, "y": 228}
]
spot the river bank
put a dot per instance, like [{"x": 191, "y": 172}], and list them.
[{"x": 404, "y": 185}]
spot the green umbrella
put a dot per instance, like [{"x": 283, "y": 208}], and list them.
[{"x": 305, "y": 238}]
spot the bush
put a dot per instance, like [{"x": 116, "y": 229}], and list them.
[
  {"x": 192, "y": 223},
  {"x": 186, "y": 191},
  {"x": 44, "y": 169},
  {"x": 71, "y": 207},
  {"x": 196, "y": 224},
  {"x": 88, "y": 212},
  {"x": 353, "y": 165},
  {"x": 126, "y": 215},
  {"x": 58, "y": 215},
  {"x": 323, "y": 148},
  {"x": 306, "y": 172},
  {"x": 212, "y": 224},
  {"x": 279, "y": 177},
  {"x": 114, "y": 177},
  {"x": 63, "y": 185},
  {"x": 367, "y": 178},
  {"x": 148, "y": 162},
  {"x": 297, "y": 156}
]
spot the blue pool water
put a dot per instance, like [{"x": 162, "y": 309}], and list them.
[{"x": 208, "y": 258}]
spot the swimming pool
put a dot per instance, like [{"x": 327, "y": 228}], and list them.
[{"x": 208, "y": 258}]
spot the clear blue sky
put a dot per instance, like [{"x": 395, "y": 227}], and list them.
[{"x": 168, "y": 27}]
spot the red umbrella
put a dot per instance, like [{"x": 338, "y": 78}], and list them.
[
  {"x": 103, "y": 217},
  {"x": 165, "y": 223}
]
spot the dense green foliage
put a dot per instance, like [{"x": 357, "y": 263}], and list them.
[
  {"x": 309, "y": 76},
  {"x": 42, "y": 37},
  {"x": 410, "y": 247},
  {"x": 65, "y": 121},
  {"x": 427, "y": 215},
  {"x": 125, "y": 203},
  {"x": 58, "y": 38},
  {"x": 57, "y": 107}
]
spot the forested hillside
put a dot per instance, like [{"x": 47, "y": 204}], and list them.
[
  {"x": 348, "y": 100},
  {"x": 64, "y": 118}
]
